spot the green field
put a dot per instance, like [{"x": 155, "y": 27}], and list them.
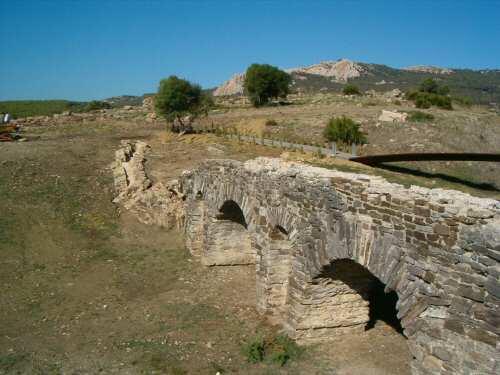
[{"x": 26, "y": 108}]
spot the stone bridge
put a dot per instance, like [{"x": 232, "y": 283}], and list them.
[{"x": 320, "y": 239}]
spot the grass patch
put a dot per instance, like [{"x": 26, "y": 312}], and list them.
[
  {"x": 279, "y": 349},
  {"x": 9, "y": 361},
  {"x": 419, "y": 116}
]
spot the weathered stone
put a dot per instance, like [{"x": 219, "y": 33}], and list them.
[{"x": 301, "y": 220}]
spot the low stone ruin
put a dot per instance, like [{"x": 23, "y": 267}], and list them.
[
  {"x": 159, "y": 204},
  {"x": 319, "y": 238}
]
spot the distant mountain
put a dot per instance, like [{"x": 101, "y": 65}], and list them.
[
  {"x": 428, "y": 69},
  {"x": 482, "y": 86}
]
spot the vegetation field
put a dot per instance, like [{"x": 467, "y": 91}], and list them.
[{"x": 27, "y": 108}]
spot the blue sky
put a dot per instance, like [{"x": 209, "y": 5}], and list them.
[{"x": 85, "y": 49}]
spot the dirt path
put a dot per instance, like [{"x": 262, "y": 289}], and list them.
[{"x": 87, "y": 289}]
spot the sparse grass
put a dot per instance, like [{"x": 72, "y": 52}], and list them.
[
  {"x": 419, "y": 116},
  {"x": 9, "y": 361},
  {"x": 277, "y": 349}
]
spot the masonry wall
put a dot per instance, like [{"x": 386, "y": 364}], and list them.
[{"x": 439, "y": 250}]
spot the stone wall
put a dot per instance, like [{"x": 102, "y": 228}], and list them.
[
  {"x": 438, "y": 250},
  {"x": 310, "y": 230}
]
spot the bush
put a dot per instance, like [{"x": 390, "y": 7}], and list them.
[
  {"x": 178, "y": 98},
  {"x": 418, "y": 116},
  {"x": 464, "y": 101},
  {"x": 271, "y": 122},
  {"x": 426, "y": 100},
  {"x": 254, "y": 350},
  {"x": 96, "y": 104},
  {"x": 430, "y": 93},
  {"x": 344, "y": 130},
  {"x": 351, "y": 90},
  {"x": 428, "y": 85},
  {"x": 277, "y": 349},
  {"x": 264, "y": 82},
  {"x": 422, "y": 101}
]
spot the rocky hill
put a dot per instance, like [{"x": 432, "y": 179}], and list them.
[{"x": 482, "y": 86}]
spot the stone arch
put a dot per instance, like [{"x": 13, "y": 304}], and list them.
[
  {"x": 351, "y": 238},
  {"x": 438, "y": 253},
  {"x": 227, "y": 238}
]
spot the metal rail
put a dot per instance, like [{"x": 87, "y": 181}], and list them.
[{"x": 433, "y": 156}]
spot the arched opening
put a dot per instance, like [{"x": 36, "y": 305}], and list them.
[
  {"x": 359, "y": 280},
  {"x": 227, "y": 237},
  {"x": 231, "y": 211},
  {"x": 383, "y": 307},
  {"x": 344, "y": 298}
]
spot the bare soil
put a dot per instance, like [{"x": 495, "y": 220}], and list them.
[{"x": 87, "y": 289}]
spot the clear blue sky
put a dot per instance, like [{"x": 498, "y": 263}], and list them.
[{"x": 86, "y": 49}]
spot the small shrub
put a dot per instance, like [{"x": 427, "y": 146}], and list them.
[
  {"x": 418, "y": 116},
  {"x": 283, "y": 349},
  {"x": 397, "y": 102},
  {"x": 464, "y": 101},
  {"x": 276, "y": 349},
  {"x": 271, "y": 122},
  {"x": 425, "y": 100},
  {"x": 254, "y": 350},
  {"x": 422, "y": 101},
  {"x": 344, "y": 130},
  {"x": 430, "y": 93},
  {"x": 351, "y": 90}
]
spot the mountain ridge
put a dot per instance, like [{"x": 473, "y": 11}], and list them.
[{"x": 482, "y": 86}]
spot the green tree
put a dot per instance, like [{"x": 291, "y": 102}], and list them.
[
  {"x": 351, "y": 90},
  {"x": 180, "y": 102},
  {"x": 264, "y": 82},
  {"x": 344, "y": 130},
  {"x": 428, "y": 85},
  {"x": 95, "y": 105}
]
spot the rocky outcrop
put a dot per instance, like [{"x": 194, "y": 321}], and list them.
[
  {"x": 232, "y": 87},
  {"x": 340, "y": 70},
  {"x": 428, "y": 69},
  {"x": 157, "y": 204},
  {"x": 390, "y": 116}
]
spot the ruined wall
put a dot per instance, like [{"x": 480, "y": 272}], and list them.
[{"x": 438, "y": 250}]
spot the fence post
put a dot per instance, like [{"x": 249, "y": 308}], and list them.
[
  {"x": 334, "y": 148},
  {"x": 353, "y": 149}
]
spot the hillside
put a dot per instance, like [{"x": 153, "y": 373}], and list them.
[{"x": 482, "y": 86}]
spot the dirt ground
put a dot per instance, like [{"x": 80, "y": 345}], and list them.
[{"x": 87, "y": 289}]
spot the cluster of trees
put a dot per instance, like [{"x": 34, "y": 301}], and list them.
[
  {"x": 180, "y": 102},
  {"x": 430, "y": 93}
]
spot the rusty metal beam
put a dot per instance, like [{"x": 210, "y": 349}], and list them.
[{"x": 389, "y": 158}]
